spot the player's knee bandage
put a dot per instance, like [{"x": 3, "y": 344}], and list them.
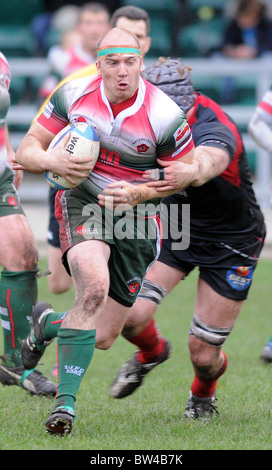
[
  {"x": 212, "y": 335},
  {"x": 153, "y": 292}
]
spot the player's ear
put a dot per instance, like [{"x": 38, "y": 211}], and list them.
[
  {"x": 147, "y": 45},
  {"x": 142, "y": 65},
  {"x": 98, "y": 67}
]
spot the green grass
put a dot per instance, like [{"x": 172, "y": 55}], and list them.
[{"x": 152, "y": 418}]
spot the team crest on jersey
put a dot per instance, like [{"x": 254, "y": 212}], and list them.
[
  {"x": 142, "y": 145},
  {"x": 134, "y": 285},
  {"x": 83, "y": 231},
  {"x": 240, "y": 277},
  {"x": 142, "y": 148},
  {"x": 12, "y": 201}
]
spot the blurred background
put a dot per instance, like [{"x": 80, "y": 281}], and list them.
[{"x": 198, "y": 31}]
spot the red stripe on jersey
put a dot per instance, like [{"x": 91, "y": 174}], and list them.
[
  {"x": 2, "y": 136},
  {"x": 185, "y": 147},
  {"x": 64, "y": 240},
  {"x": 265, "y": 106},
  {"x": 231, "y": 174},
  {"x": 53, "y": 124},
  {"x": 118, "y": 172}
]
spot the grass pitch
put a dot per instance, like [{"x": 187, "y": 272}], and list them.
[{"x": 152, "y": 418}]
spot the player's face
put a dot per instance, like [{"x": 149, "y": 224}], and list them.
[
  {"x": 91, "y": 27},
  {"x": 120, "y": 75},
  {"x": 137, "y": 27}
]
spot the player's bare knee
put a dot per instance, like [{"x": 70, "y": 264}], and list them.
[
  {"x": 202, "y": 354},
  {"x": 29, "y": 257},
  {"x": 104, "y": 339}
]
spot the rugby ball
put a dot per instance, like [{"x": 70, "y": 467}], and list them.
[{"x": 83, "y": 141}]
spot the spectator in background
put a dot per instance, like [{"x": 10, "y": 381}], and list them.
[
  {"x": 249, "y": 34},
  {"x": 57, "y": 58},
  {"x": 93, "y": 21},
  {"x": 42, "y": 23}
]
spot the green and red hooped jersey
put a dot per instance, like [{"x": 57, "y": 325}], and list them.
[{"x": 152, "y": 127}]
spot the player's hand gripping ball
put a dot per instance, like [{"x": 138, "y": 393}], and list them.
[{"x": 83, "y": 141}]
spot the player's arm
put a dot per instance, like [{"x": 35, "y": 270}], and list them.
[
  {"x": 207, "y": 163},
  {"x": 211, "y": 162},
  {"x": 260, "y": 124},
  {"x": 122, "y": 192},
  {"x": 173, "y": 147},
  {"x": 32, "y": 155},
  {"x": 18, "y": 175}
]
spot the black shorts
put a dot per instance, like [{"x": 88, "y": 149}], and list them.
[
  {"x": 53, "y": 228},
  {"x": 228, "y": 269}
]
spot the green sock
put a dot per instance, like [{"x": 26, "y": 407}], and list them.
[
  {"x": 75, "y": 352},
  {"x": 18, "y": 295},
  {"x": 51, "y": 324}
]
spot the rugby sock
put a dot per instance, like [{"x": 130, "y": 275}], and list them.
[
  {"x": 206, "y": 388},
  {"x": 75, "y": 350},
  {"x": 149, "y": 341},
  {"x": 50, "y": 325},
  {"x": 18, "y": 294}
]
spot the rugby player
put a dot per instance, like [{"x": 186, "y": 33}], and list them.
[
  {"x": 227, "y": 232},
  {"x": 94, "y": 20},
  {"x": 19, "y": 260},
  {"x": 137, "y": 21},
  {"x": 136, "y": 123},
  {"x": 260, "y": 129}
]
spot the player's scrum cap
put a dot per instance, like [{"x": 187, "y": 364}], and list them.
[
  {"x": 174, "y": 79},
  {"x": 109, "y": 50}
]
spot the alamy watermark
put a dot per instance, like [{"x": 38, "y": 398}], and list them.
[{"x": 124, "y": 222}]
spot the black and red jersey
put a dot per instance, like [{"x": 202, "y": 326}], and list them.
[{"x": 225, "y": 208}]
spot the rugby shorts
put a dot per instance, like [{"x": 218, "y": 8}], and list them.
[
  {"x": 226, "y": 267},
  {"x": 9, "y": 198},
  {"x": 80, "y": 218}
]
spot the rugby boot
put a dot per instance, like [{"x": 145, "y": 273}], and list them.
[
  {"x": 60, "y": 421},
  {"x": 32, "y": 381},
  {"x": 132, "y": 373},
  {"x": 200, "y": 407},
  {"x": 34, "y": 345}
]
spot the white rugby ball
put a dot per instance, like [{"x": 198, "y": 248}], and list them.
[{"x": 83, "y": 141}]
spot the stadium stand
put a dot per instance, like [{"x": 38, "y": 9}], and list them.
[{"x": 18, "y": 12}]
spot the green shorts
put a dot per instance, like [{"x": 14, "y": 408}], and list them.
[
  {"x": 9, "y": 198},
  {"x": 133, "y": 238}
]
